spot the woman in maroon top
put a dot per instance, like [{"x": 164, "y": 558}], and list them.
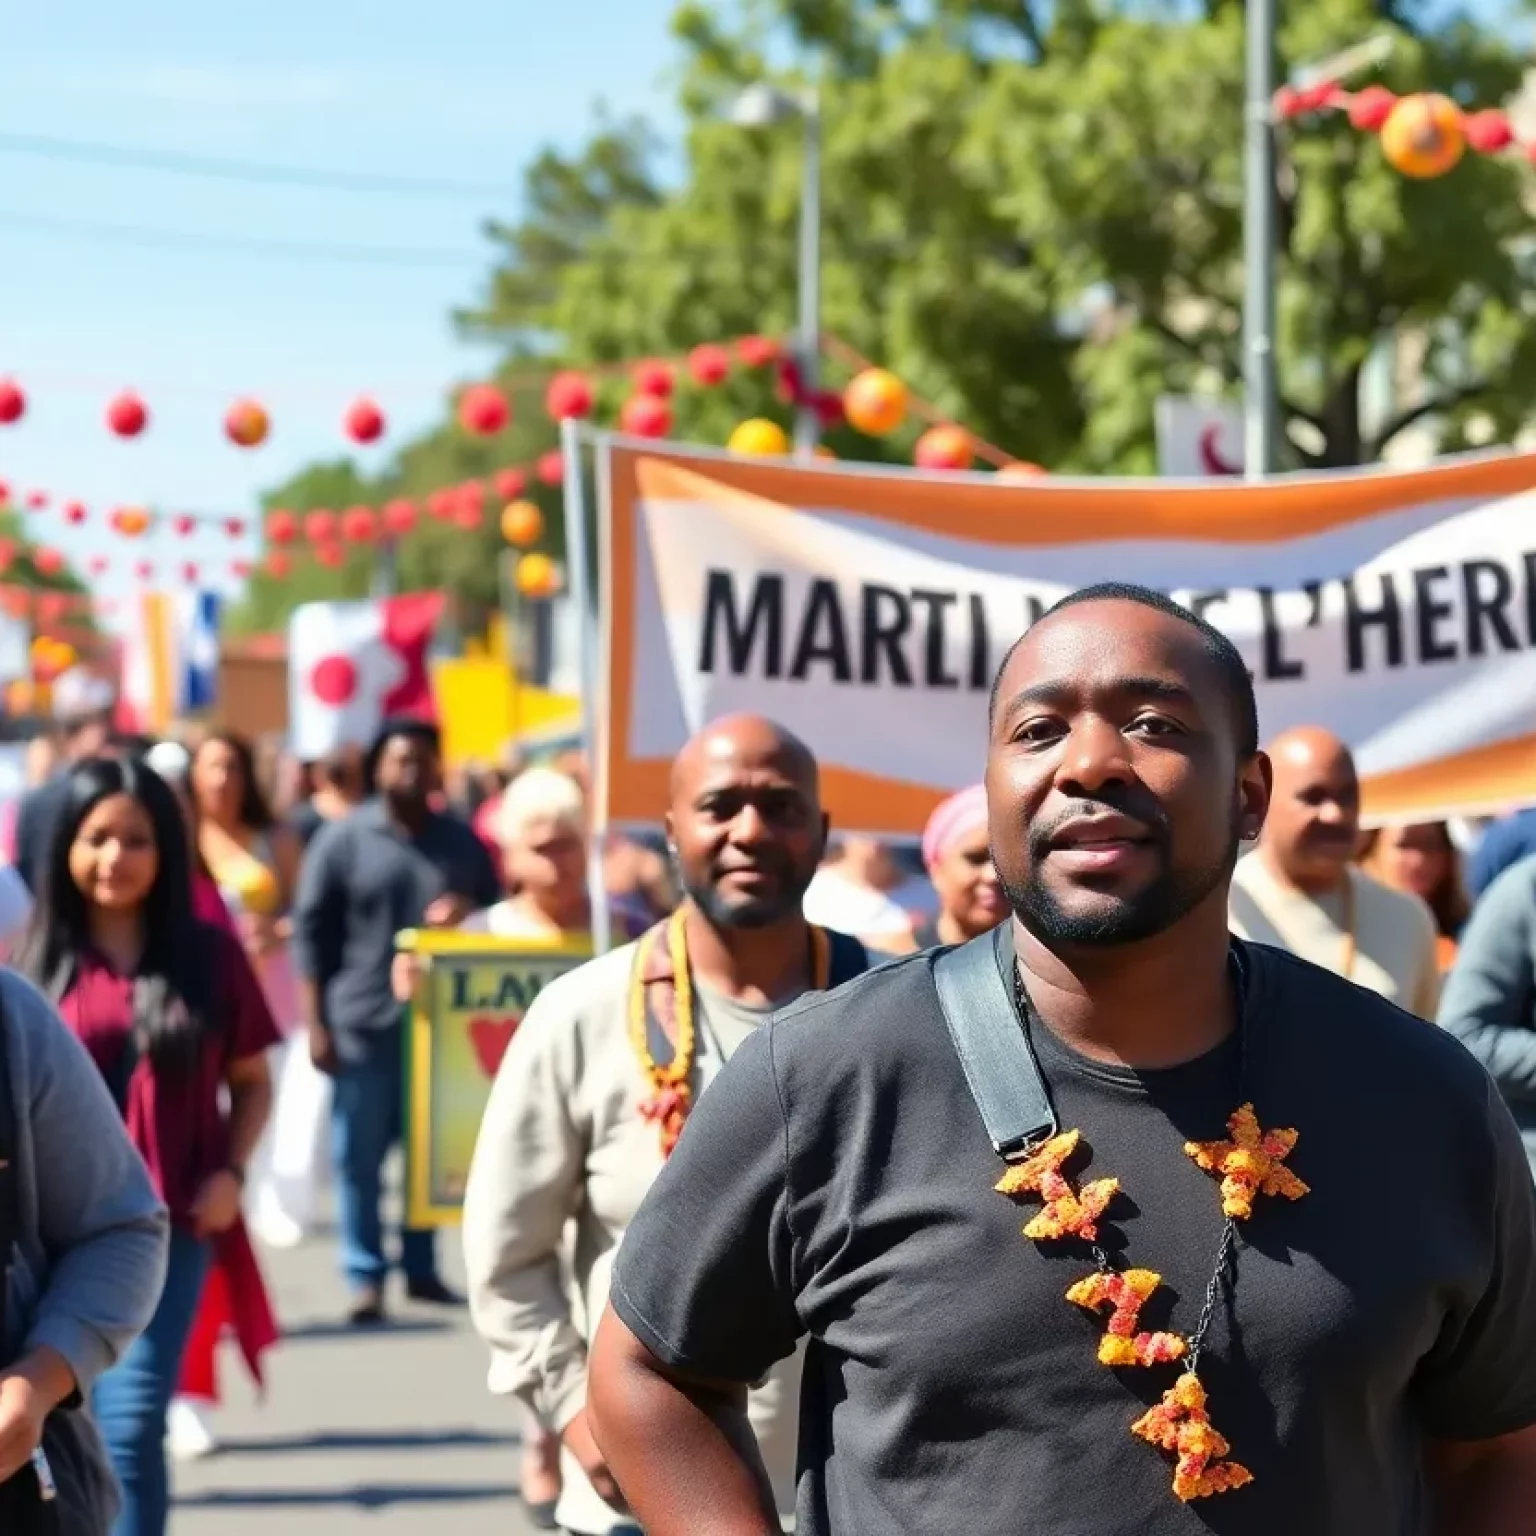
[{"x": 172, "y": 1015}]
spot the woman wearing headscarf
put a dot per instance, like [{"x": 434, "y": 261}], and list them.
[{"x": 958, "y": 859}]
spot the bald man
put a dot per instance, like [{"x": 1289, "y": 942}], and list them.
[
  {"x": 600, "y": 1077},
  {"x": 1301, "y": 890}
]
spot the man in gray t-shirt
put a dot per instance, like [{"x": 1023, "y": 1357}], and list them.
[{"x": 1249, "y": 1297}]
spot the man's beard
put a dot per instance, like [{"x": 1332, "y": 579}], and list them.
[
  {"x": 748, "y": 911},
  {"x": 1173, "y": 895}
]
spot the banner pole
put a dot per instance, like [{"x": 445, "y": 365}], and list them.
[{"x": 578, "y": 529}]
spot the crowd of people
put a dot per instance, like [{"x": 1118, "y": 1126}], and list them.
[{"x": 204, "y": 974}]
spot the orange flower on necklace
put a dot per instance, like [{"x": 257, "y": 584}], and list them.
[
  {"x": 1250, "y": 1164},
  {"x": 1180, "y": 1423},
  {"x": 1067, "y": 1213},
  {"x": 1127, "y": 1292}
]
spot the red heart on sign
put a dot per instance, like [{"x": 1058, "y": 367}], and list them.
[{"x": 490, "y": 1038}]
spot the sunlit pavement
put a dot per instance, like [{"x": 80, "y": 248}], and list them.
[{"x": 379, "y": 1432}]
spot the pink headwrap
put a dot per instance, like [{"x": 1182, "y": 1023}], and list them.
[{"x": 952, "y": 819}]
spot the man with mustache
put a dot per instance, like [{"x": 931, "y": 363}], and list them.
[
  {"x": 1302, "y": 890},
  {"x": 605, "y": 1068},
  {"x": 1250, "y": 1297}
]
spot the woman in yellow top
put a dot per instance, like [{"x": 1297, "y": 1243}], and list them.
[{"x": 254, "y": 860}]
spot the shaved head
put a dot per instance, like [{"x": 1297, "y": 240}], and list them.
[
  {"x": 1313, "y": 827},
  {"x": 745, "y": 823},
  {"x": 737, "y": 738}
]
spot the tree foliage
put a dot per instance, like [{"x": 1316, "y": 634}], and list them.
[{"x": 1032, "y": 214}]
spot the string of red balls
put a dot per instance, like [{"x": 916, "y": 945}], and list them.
[{"x": 1422, "y": 135}]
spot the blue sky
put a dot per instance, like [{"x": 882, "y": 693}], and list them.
[{"x": 465, "y": 93}]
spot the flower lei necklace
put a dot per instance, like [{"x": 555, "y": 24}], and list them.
[
  {"x": 1250, "y": 1164},
  {"x": 671, "y": 1086}
]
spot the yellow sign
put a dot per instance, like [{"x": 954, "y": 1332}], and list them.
[
  {"x": 471, "y": 994},
  {"x": 483, "y": 709}
]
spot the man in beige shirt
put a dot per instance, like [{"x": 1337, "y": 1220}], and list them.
[
  {"x": 1301, "y": 890},
  {"x": 597, "y": 1082}
]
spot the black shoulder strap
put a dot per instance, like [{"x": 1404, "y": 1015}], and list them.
[{"x": 975, "y": 985}]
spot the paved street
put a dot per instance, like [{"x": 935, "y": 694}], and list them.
[{"x": 380, "y": 1432}]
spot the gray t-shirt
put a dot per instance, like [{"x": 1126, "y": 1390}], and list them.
[{"x": 836, "y": 1181}]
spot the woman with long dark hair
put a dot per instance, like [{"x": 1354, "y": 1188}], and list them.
[{"x": 175, "y": 1021}]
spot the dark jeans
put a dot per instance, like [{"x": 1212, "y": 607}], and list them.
[
  {"x": 367, "y": 1113},
  {"x": 130, "y": 1400}
]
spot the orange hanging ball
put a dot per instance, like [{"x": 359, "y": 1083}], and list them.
[
  {"x": 522, "y": 523},
  {"x": 875, "y": 402},
  {"x": 1423, "y": 136},
  {"x": 246, "y": 424}
]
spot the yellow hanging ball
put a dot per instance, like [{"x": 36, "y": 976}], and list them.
[
  {"x": 537, "y": 576},
  {"x": 1423, "y": 136},
  {"x": 759, "y": 438},
  {"x": 522, "y": 523}
]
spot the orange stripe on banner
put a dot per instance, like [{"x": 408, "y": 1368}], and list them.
[
  {"x": 1024, "y": 513},
  {"x": 157, "y": 636}
]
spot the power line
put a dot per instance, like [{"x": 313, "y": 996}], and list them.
[
  {"x": 88, "y": 152},
  {"x": 294, "y": 250}
]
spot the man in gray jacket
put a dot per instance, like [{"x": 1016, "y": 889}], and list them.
[
  {"x": 1489, "y": 1003},
  {"x": 89, "y": 1251}
]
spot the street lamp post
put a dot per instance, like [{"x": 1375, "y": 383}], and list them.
[
  {"x": 1260, "y": 389},
  {"x": 761, "y": 106}
]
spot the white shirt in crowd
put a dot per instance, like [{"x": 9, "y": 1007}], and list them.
[
  {"x": 834, "y": 901},
  {"x": 1391, "y": 951}
]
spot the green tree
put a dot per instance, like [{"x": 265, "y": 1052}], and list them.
[{"x": 1033, "y": 215}]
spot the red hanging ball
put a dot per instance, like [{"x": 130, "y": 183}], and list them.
[
  {"x": 1286, "y": 103},
  {"x": 37, "y": 500},
  {"x": 1488, "y": 132},
  {"x": 189, "y": 571},
  {"x": 569, "y": 397},
  {"x": 709, "y": 364},
  {"x": 364, "y": 421},
  {"x": 468, "y": 515},
  {"x": 240, "y": 569},
  {"x": 653, "y": 377},
  {"x": 483, "y": 410},
  {"x": 234, "y": 526},
  {"x": 13, "y": 403},
  {"x": 440, "y": 505},
  {"x": 399, "y": 516},
  {"x": 330, "y": 555},
  {"x": 282, "y": 527},
  {"x": 320, "y": 526},
  {"x": 550, "y": 470},
  {"x": 509, "y": 483},
  {"x": 278, "y": 564},
  {"x": 49, "y": 561},
  {"x": 145, "y": 570},
  {"x": 127, "y": 415},
  {"x": 1371, "y": 107},
  {"x": 645, "y": 416},
  {"x": 75, "y": 513},
  {"x": 184, "y": 524},
  {"x": 98, "y": 565},
  {"x": 470, "y": 494},
  {"x": 757, "y": 351},
  {"x": 358, "y": 525}
]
